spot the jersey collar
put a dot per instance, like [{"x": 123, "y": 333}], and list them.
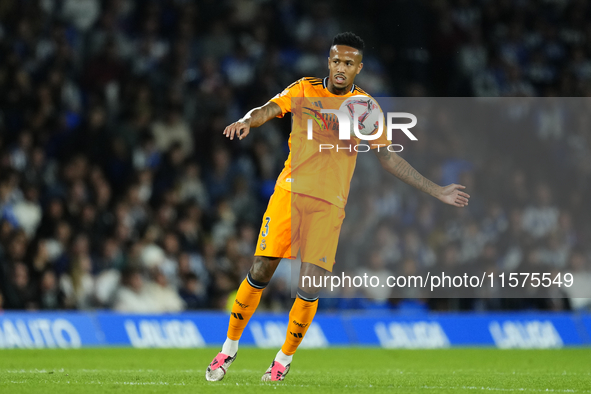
[{"x": 325, "y": 84}]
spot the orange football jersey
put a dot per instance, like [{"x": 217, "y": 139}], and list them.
[{"x": 312, "y": 167}]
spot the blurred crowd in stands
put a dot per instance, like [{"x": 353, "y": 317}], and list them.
[{"x": 118, "y": 190}]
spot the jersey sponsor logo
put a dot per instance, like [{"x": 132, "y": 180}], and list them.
[
  {"x": 324, "y": 121},
  {"x": 320, "y": 120},
  {"x": 528, "y": 334},
  {"x": 323, "y": 260},
  {"x": 263, "y": 245}
]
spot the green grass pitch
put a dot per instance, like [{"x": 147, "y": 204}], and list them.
[{"x": 340, "y": 370}]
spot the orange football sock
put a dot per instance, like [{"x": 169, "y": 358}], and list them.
[
  {"x": 301, "y": 316},
  {"x": 246, "y": 302}
]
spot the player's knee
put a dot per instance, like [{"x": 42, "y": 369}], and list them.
[
  {"x": 263, "y": 268},
  {"x": 310, "y": 286},
  {"x": 311, "y": 294},
  {"x": 312, "y": 280}
]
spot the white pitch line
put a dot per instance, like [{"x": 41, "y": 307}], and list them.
[
  {"x": 84, "y": 370},
  {"x": 482, "y": 388},
  {"x": 234, "y": 370},
  {"x": 286, "y": 385},
  {"x": 102, "y": 383}
]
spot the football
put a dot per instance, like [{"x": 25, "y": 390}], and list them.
[{"x": 367, "y": 112}]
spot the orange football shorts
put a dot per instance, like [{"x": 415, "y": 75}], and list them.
[{"x": 296, "y": 222}]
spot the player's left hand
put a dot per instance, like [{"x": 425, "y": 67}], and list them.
[{"x": 452, "y": 195}]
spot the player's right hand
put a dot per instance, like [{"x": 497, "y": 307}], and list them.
[{"x": 239, "y": 129}]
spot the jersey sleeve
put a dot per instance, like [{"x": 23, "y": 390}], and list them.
[{"x": 283, "y": 99}]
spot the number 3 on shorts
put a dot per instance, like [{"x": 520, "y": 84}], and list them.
[{"x": 266, "y": 226}]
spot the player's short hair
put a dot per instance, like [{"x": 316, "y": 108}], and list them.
[{"x": 349, "y": 39}]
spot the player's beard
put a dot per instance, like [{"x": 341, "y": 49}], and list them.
[{"x": 340, "y": 91}]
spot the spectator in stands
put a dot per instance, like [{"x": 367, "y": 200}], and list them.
[
  {"x": 20, "y": 292},
  {"x": 173, "y": 130},
  {"x": 50, "y": 296},
  {"x": 165, "y": 298},
  {"x": 133, "y": 296},
  {"x": 192, "y": 292},
  {"x": 111, "y": 117},
  {"x": 78, "y": 286}
]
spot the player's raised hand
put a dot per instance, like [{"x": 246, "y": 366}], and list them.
[
  {"x": 452, "y": 195},
  {"x": 239, "y": 129}
]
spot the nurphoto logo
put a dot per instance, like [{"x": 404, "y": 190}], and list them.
[{"x": 361, "y": 117}]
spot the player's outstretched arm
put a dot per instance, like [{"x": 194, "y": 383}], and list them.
[
  {"x": 254, "y": 118},
  {"x": 400, "y": 168}
]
